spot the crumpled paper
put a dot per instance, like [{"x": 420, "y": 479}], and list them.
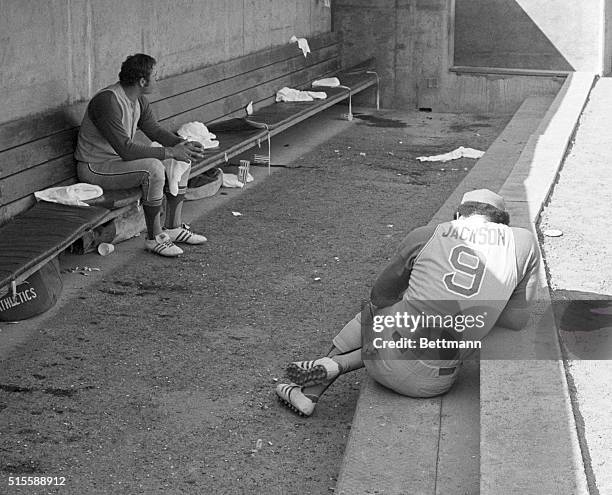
[
  {"x": 196, "y": 131},
  {"x": 73, "y": 195},
  {"x": 302, "y": 44},
  {"x": 174, "y": 171},
  {"x": 290, "y": 94},
  {"x": 460, "y": 152},
  {"x": 330, "y": 82}
]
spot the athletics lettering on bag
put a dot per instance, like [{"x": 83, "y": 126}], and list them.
[{"x": 20, "y": 297}]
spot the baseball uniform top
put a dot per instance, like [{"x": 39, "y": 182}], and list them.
[
  {"x": 465, "y": 266},
  {"x": 108, "y": 130}
]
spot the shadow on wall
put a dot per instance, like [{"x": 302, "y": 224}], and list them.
[{"x": 499, "y": 33}]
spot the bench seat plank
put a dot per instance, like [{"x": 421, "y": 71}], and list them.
[
  {"x": 42, "y": 232},
  {"x": 276, "y": 115}
]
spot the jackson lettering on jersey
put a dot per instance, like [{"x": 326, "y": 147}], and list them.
[{"x": 492, "y": 236}]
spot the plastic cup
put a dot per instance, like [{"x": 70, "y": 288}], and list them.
[{"x": 104, "y": 249}]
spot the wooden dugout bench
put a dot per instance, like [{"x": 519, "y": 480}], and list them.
[{"x": 37, "y": 152}]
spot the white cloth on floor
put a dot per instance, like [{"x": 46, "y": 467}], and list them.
[
  {"x": 460, "y": 152},
  {"x": 196, "y": 131},
  {"x": 73, "y": 195},
  {"x": 174, "y": 171},
  {"x": 231, "y": 180},
  {"x": 290, "y": 94},
  {"x": 329, "y": 82},
  {"x": 302, "y": 44}
]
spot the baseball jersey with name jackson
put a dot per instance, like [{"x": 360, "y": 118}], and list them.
[{"x": 465, "y": 266}]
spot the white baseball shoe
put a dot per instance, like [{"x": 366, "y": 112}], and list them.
[
  {"x": 313, "y": 372},
  {"x": 291, "y": 396},
  {"x": 163, "y": 245},
  {"x": 185, "y": 235}
]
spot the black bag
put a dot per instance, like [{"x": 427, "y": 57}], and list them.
[{"x": 37, "y": 294}]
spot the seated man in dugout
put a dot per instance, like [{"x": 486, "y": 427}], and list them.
[
  {"x": 108, "y": 155},
  {"x": 438, "y": 297}
]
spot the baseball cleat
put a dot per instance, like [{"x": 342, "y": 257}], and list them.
[
  {"x": 163, "y": 245},
  {"x": 185, "y": 235},
  {"x": 313, "y": 372},
  {"x": 292, "y": 397}
]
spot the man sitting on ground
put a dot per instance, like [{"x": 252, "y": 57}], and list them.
[
  {"x": 474, "y": 269},
  {"x": 108, "y": 155}
]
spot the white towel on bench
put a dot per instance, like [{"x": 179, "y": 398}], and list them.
[
  {"x": 73, "y": 195},
  {"x": 196, "y": 131},
  {"x": 329, "y": 82},
  {"x": 290, "y": 94}
]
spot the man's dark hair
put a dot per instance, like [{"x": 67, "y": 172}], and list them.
[
  {"x": 493, "y": 214},
  {"x": 134, "y": 67}
]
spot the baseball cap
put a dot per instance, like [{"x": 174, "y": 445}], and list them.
[{"x": 485, "y": 196}]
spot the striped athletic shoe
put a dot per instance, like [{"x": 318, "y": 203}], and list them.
[
  {"x": 313, "y": 372},
  {"x": 185, "y": 235},
  {"x": 291, "y": 396},
  {"x": 163, "y": 245}
]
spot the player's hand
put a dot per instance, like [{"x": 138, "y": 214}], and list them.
[{"x": 187, "y": 151}]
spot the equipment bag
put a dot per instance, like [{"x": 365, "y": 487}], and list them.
[{"x": 37, "y": 294}]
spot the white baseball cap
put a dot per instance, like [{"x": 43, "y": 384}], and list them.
[{"x": 485, "y": 196}]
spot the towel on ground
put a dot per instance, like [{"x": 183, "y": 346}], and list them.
[{"x": 460, "y": 152}]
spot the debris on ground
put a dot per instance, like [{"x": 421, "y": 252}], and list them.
[
  {"x": 83, "y": 270},
  {"x": 460, "y": 152}
]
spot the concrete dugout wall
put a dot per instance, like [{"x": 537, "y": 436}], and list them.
[
  {"x": 57, "y": 52},
  {"x": 414, "y": 44}
]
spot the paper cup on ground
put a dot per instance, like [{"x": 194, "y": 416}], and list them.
[{"x": 104, "y": 249}]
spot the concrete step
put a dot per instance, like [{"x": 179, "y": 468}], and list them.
[{"x": 400, "y": 445}]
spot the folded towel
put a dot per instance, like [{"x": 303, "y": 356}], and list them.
[
  {"x": 330, "y": 82},
  {"x": 290, "y": 94}
]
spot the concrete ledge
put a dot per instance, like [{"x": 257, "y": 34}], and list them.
[
  {"x": 529, "y": 442},
  {"x": 401, "y": 445}
]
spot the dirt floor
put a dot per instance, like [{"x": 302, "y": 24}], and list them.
[{"x": 160, "y": 377}]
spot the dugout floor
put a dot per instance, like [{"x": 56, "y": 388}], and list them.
[{"x": 158, "y": 375}]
